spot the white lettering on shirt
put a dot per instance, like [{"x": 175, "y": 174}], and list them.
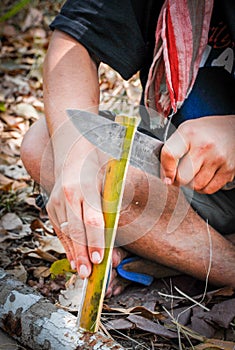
[{"x": 225, "y": 59}]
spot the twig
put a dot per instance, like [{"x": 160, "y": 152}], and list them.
[
  {"x": 210, "y": 261},
  {"x": 191, "y": 299},
  {"x": 130, "y": 339},
  {"x": 171, "y": 296}
]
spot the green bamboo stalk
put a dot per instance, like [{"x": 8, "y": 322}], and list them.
[{"x": 90, "y": 311}]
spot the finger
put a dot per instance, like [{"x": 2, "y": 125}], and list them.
[
  {"x": 54, "y": 211},
  {"x": 67, "y": 244},
  {"x": 219, "y": 179},
  {"x": 173, "y": 150},
  {"x": 94, "y": 226},
  {"x": 202, "y": 178},
  {"x": 189, "y": 166},
  {"x": 78, "y": 236}
]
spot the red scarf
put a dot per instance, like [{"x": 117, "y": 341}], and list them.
[{"x": 181, "y": 37}]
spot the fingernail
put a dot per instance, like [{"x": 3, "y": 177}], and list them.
[
  {"x": 95, "y": 257},
  {"x": 83, "y": 271},
  {"x": 167, "y": 181},
  {"x": 73, "y": 265}
]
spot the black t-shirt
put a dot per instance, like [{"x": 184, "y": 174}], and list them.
[
  {"x": 122, "y": 33},
  {"x": 118, "y": 32}
]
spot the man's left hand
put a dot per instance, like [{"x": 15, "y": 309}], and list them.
[{"x": 201, "y": 154}]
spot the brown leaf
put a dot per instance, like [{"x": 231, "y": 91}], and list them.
[
  {"x": 11, "y": 221},
  {"x": 222, "y": 314},
  {"x": 41, "y": 271},
  {"x": 16, "y": 172},
  {"x": 37, "y": 253},
  {"x": 152, "y": 327},
  {"x": 140, "y": 310},
  {"x": 10, "y": 120},
  {"x": 38, "y": 224},
  {"x": 71, "y": 297},
  {"x": 51, "y": 243},
  {"x": 199, "y": 325},
  {"x": 120, "y": 323},
  {"x": 19, "y": 272},
  {"x": 34, "y": 18},
  {"x": 8, "y": 235},
  {"x": 216, "y": 344},
  {"x": 9, "y": 30},
  {"x": 26, "y": 110},
  {"x": 5, "y": 182},
  {"x": 225, "y": 292}
]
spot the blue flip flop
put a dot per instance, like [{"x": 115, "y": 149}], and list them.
[{"x": 133, "y": 276}]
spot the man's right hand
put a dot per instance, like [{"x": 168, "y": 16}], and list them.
[{"x": 75, "y": 210}]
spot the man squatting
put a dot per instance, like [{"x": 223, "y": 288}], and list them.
[{"x": 184, "y": 51}]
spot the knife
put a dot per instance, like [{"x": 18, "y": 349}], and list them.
[{"x": 108, "y": 136}]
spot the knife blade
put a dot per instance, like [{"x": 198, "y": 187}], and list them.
[{"x": 108, "y": 136}]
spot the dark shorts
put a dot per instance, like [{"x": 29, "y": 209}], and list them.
[{"x": 218, "y": 209}]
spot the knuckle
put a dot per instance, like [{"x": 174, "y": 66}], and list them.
[
  {"x": 220, "y": 157},
  {"x": 77, "y": 236},
  {"x": 204, "y": 147},
  {"x": 165, "y": 154},
  {"x": 54, "y": 201},
  {"x": 209, "y": 190},
  {"x": 68, "y": 190},
  {"x": 230, "y": 169},
  {"x": 187, "y": 128},
  {"x": 197, "y": 186},
  {"x": 94, "y": 220}
]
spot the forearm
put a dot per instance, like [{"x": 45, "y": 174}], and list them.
[{"x": 70, "y": 81}]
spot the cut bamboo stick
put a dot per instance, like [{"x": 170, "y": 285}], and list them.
[{"x": 91, "y": 307}]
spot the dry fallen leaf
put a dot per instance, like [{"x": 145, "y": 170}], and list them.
[
  {"x": 50, "y": 243},
  {"x": 16, "y": 172},
  {"x": 72, "y": 296},
  {"x": 216, "y": 344},
  {"x": 120, "y": 324},
  {"x": 152, "y": 327},
  {"x": 36, "y": 253},
  {"x": 38, "y": 224},
  {"x": 19, "y": 272},
  {"x": 9, "y": 235},
  {"x": 140, "y": 310},
  {"x": 26, "y": 110},
  {"x": 5, "y": 182},
  {"x": 11, "y": 222},
  {"x": 41, "y": 271}
]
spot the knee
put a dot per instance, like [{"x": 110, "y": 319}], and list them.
[
  {"x": 28, "y": 152},
  {"x": 32, "y": 148},
  {"x": 26, "y": 148}
]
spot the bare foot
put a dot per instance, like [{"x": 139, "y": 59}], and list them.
[{"x": 117, "y": 284}]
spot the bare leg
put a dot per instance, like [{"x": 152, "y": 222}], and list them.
[{"x": 151, "y": 224}]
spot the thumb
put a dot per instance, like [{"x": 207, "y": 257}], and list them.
[{"x": 173, "y": 150}]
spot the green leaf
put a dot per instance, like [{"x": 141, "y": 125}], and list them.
[
  {"x": 61, "y": 267},
  {"x": 2, "y": 107}
]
